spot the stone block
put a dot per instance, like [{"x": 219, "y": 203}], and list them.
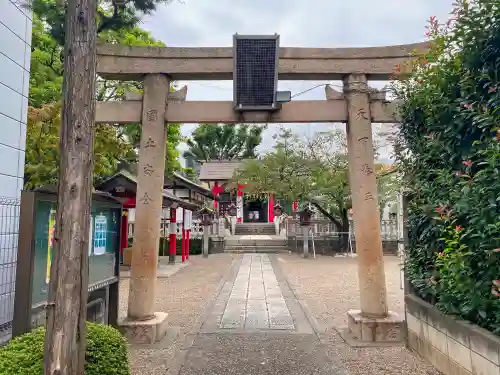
[
  {"x": 234, "y": 315},
  {"x": 481, "y": 366},
  {"x": 460, "y": 354},
  {"x": 457, "y": 330},
  {"x": 127, "y": 256},
  {"x": 256, "y": 317},
  {"x": 413, "y": 323},
  {"x": 435, "y": 357},
  {"x": 416, "y": 307},
  {"x": 456, "y": 369},
  {"x": 147, "y": 331},
  {"x": 438, "y": 339},
  {"x": 389, "y": 329},
  {"x": 279, "y": 315},
  {"x": 485, "y": 344},
  {"x": 437, "y": 320}
]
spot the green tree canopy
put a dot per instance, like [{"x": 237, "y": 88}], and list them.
[
  {"x": 46, "y": 85},
  {"x": 113, "y": 14},
  {"x": 224, "y": 142},
  {"x": 42, "y": 148},
  {"x": 309, "y": 170}
]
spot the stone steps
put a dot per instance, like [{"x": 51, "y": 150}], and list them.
[
  {"x": 241, "y": 249},
  {"x": 255, "y": 243},
  {"x": 255, "y": 228}
]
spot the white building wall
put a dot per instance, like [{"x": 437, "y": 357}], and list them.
[{"x": 15, "y": 52}]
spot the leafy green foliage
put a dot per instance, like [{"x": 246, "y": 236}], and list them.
[
  {"x": 112, "y": 15},
  {"x": 112, "y": 144},
  {"x": 46, "y": 67},
  {"x": 224, "y": 142},
  {"x": 107, "y": 353},
  {"x": 311, "y": 170},
  {"x": 42, "y": 148},
  {"x": 449, "y": 153}
]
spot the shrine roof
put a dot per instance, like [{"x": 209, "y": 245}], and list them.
[
  {"x": 176, "y": 180},
  {"x": 180, "y": 180},
  {"x": 96, "y": 194},
  {"x": 219, "y": 170},
  {"x": 124, "y": 176}
]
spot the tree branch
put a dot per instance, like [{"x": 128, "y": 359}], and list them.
[
  {"x": 107, "y": 21},
  {"x": 327, "y": 214}
]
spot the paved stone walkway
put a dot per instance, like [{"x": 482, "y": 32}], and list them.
[
  {"x": 256, "y": 325},
  {"x": 256, "y": 301},
  {"x": 196, "y": 299}
]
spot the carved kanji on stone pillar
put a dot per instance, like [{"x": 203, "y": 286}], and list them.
[
  {"x": 364, "y": 197},
  {"x": 143, "y": 324},
  {"x": 373, "y": 322}
]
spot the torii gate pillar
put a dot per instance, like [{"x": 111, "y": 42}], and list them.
[
  {"x": 143, "y": 324},
  {"x": 373, "y": 322}
]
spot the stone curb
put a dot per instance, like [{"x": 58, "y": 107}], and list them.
[{"x": 317, "y": 328}]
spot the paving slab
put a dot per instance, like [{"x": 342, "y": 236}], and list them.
[{"x": 256, "y": 300}]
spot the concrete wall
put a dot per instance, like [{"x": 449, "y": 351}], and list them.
[
  {"x": 453, "y": 346},
  {"x": 330, "y": 246}
]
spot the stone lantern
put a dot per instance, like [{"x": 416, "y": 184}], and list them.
[
  {"x": 305, "y": 216},
  {"x": 206, "y": 216},
  {"x": 278, "y": 209},
  {"x": 232, "y": 210}
]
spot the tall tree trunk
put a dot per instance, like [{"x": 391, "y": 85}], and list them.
[{"x": 65, "y": 338}]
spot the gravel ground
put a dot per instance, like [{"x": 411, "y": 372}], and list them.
[
  {"x": 183, "y": 296},
  {"x": 329, "y": 285}
]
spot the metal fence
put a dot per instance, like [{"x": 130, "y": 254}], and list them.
[
  {"x": 325, "y": 227},
  {"x": 9, "y": 233}
]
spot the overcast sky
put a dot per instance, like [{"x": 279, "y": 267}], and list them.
[{"x": 300, "y": 23}]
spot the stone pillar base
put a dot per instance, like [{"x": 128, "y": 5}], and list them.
[
  {"x": 127, "y": 256},
  {"x": 171, "y": 259},
  {"x": 145, "y": 331},
  {"x": 363, "y": 331}
]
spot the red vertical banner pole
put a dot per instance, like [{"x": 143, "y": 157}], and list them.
[
  {"x": 188, "y": 242},
  {"x": 270, "y": 209},
  {"x": 172, "y": 237},
  {"x": 124, "y": 232}
]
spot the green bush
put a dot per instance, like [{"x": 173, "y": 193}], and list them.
[
  {"x": 107, "y": 353},
  {"x": 449, "y": 152},
  {"x": 195, "y": 247}
]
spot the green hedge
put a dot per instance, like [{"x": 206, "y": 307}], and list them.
[
  {"x": 195, "y": 247},
  {"x": 449, "y": 152},
  {"x": 107, "y": 353}
]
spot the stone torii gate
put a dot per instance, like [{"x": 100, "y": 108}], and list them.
[{"x": 357, "y": 106}]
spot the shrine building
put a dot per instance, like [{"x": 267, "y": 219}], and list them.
[{"x": 217, "y": 174}]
